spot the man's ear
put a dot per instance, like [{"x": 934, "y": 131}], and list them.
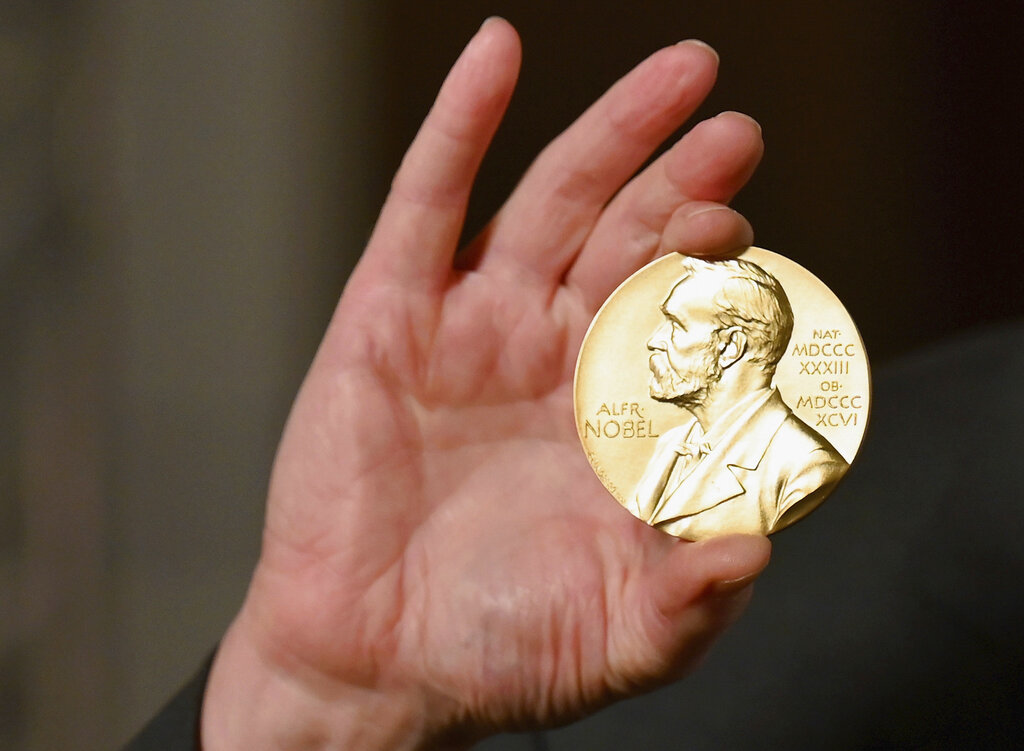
[{"x": 732, "y": 345}]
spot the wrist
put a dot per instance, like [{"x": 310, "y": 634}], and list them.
[{"x": 254, "y": 704}]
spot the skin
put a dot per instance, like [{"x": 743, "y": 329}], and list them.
[{"x": 439, "y": 560}]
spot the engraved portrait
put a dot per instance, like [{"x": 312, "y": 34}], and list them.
[{"x": 738, "y": 458}]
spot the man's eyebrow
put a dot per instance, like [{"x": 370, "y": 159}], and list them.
[{"x": 665, "y": 312}]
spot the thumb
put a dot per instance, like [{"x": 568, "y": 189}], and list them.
[
  {"x": 692, "y": 595},
  {"x": 713, "y": 570}
]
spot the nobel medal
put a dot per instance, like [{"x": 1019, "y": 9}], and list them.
[{"x": 725, "y": 396}]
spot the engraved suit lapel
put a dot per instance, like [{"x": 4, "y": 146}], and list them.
[
  {"x": 749, "y": 444},
  {"x": 710, "y": 483},
  {"x": 652, "y": 485},
  {"x": 716, "y": 479}
]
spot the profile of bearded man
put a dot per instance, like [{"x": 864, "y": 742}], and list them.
[{"x": 741, "y": 460}]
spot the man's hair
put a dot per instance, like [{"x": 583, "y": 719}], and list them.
[{"x": 753, "y": 300}]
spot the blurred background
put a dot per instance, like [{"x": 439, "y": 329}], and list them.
[{"x": 185, "y": 185}]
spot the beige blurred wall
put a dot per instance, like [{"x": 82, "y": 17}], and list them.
[{"x": 188, "y": 204}]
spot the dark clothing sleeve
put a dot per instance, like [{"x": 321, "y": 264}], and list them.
[{"x": 176, "y": 727}]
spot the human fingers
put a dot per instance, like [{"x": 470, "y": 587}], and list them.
[
  {"x": 701, "y": 228},
  {"x": 538, "y": 232},
  {"x": 418, "y": 228},
  {"x": 692, "y": 594},
  {"x": 676, "y": 204},
  {"x": 720, "y": 566}
]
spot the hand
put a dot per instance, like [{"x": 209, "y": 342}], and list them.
[{"x": 439, "y": 559}]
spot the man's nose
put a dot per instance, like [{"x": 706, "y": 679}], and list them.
[{"x": 658, "y": 340}]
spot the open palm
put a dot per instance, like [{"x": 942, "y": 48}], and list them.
[{"x": 435, "y": 535}]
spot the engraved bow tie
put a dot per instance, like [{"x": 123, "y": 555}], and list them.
[{"x": 694, "y": 449}]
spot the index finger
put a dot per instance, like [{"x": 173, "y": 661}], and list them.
[{"x": 418, "y": 228}]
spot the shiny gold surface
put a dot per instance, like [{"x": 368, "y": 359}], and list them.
[{"x": 701, "y": 413}]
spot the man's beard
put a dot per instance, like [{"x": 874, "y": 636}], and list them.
[{"x": 687, "y": 388}]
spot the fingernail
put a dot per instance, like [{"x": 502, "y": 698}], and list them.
[
  {"x": 733, "y": 113},
  {"x": 707, "y": 210},
  {"x": 703, "y": 44},
  {"x": 490, "y": 19},
  {"x": 732, "y": 586}
]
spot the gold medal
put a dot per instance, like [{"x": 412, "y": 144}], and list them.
[{"x": 714, "y": 397}]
